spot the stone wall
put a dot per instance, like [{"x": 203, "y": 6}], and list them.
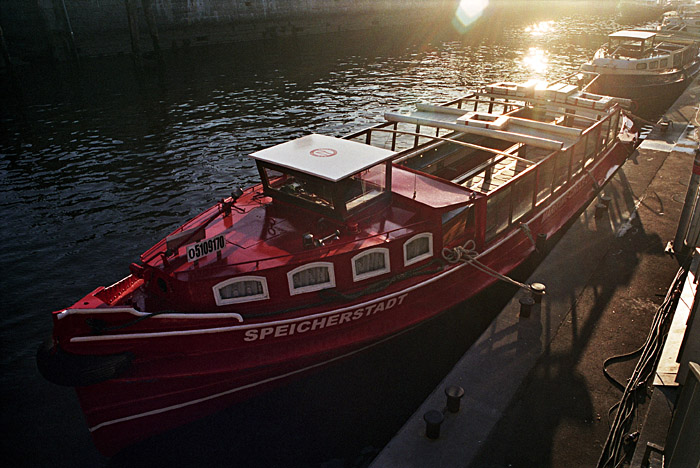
[{"x": 102, "y": 28}]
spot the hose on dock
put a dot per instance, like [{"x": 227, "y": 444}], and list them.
[{"x": 620, "y": 441}]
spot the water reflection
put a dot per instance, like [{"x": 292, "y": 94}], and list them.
[
  {"x": 541, "y": 28},
  {"x": 536, "y": 61}
]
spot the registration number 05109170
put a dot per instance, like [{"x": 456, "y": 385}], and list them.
[{"x": 205, "y": 247}]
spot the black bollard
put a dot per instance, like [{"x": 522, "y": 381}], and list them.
[
  {"x": 541, "y": 242},
  {"x": 600, "y": 210},
  {"x": 433, "y": 420},
  {"x": 526, "y": 303},
  {"x": 538, "y": 290},
  {"x": 454, "y": 394}
]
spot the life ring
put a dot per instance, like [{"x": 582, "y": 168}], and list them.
[{"x": 77, "y": 370}]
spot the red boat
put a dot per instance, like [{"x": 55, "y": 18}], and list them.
[{"x": 346, "y": 242}]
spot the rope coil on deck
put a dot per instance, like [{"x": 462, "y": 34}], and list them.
[{"x": 467, "y": 253}]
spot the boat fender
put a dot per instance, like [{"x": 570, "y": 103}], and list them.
[{"x": 76, "y": 370}]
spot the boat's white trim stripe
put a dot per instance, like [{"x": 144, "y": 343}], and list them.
[
  {"x": 247, "y": 386},
  {"x": 81, "y": 339},
  {"x": 130, "y": 310}
]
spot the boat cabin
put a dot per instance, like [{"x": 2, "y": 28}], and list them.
[
  {"x": 631, "y": 44},
  {"x": 332, "y": 176}
]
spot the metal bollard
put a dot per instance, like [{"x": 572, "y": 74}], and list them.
[
  {"x": 433, "y": 420},
  {"x": 454, "y": 394},
  {"x": 526, "y": 303},
  {"x": 538, "y": 290},
  {"x": 541, "y": 242},
  {"x": 600, "y": 210}
]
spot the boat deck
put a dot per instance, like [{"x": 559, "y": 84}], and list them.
[{"x": 498, "y": 173}]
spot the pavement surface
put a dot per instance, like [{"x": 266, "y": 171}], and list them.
[{"x": 535, "y": 392}]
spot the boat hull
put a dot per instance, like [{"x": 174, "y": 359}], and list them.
[
  {"x": 186, "y": 367},
  {"x": 652, "y": 93}
]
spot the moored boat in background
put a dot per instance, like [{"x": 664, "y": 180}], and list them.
[
  {"x": 635, "y": 11},
  {"x": 684, "y": 21},
  {"x": 647, "y": 67},
  {"x": 345, "y": 243}
]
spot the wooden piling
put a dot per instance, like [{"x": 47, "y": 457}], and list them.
[
  {"x": 148, "y": 12},
  {"x": 132, "y": 16}
]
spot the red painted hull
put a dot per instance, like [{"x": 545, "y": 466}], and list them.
[{"x": 188, "y": 366}]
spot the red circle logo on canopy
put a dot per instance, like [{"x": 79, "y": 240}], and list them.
[{"x": 323, "y": 152}]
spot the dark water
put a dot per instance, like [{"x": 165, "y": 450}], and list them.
[{"x": 97, "y": 166}]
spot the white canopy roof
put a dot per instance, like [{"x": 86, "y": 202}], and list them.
[
  {"x": 626, "y": 34},
  {"x": 324, "y": 156}
]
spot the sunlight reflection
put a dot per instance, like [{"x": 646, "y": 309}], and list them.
[
  {"x": 541, "y": 28},
  {"x": 467, "y": 13},
  {"x": 536, "y": 60}
]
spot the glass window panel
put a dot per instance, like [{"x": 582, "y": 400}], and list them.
[
  {"x": 523, "y": 191},
  {"x": 309, "y": 189},
  {"x": 613, "y": 130},
  {"x": 457, "y": 223},
  {"x": 311, "y": 276},
  {"x": 241, "y": 289},
  {"x": 579, "y": 151},
  {"x": 591, "y": 144},
  {"x": 545, "y": 172},
  {"x": 370, "y": 262},
  {"x": 562, "y": 160},
  {"x": 417, "y": 247},
  {"x": 497, "y": 213},
  {"x": 605, "y": 133},
  {"x": 364, "y": 186}
]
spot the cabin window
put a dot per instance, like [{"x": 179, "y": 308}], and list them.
[
  {"x": 545, "y": 172},
  {"x": 497, "y": 213},
  {"x": 417, "y": 248},
  {"x": 523, "y": 195},
  {"x": 241, "y": 289},
  {"x": 456, "y": 223},
  {"x": 641, "y": 66},
  {"x": 677, "y": 59},
  {"x": 653, "y": 65},
  {"x": 311, "y": 277},
  {"x": 364, "y": 186},
  {"x": 371, "y": 263},
  {"x": 307, "y": 188},
  {"x": 663, "y": 63}
]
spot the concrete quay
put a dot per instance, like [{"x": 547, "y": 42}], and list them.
[{"x": 535, "y": 394}]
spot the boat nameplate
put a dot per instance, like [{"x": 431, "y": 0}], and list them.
[{"x": 205, "y": 247}]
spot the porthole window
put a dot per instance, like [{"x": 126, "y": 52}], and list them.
[
  {"x": 241, "y": 289},
  {"x": 311, "y": 277},
  {"x": 417, "y": 248},
  {"x": 370, "y": 263}
]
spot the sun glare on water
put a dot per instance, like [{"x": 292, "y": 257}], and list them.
[
  {"x": 468, "y": 12},
  {"x": 536, "y": 61},
  {"x": 541, "y": 28}
]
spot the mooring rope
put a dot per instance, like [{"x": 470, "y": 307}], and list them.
[{"x": 467, "y": 253}]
